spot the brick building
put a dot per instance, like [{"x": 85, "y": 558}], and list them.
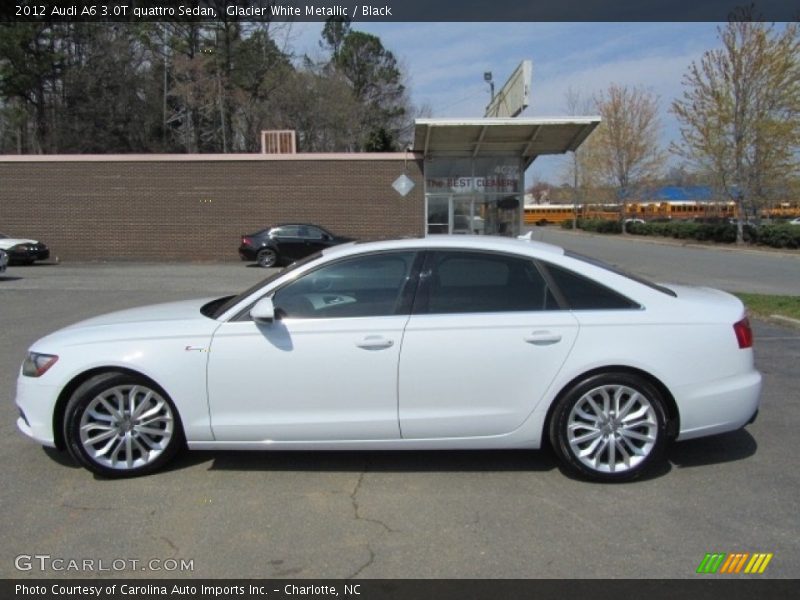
[{"x": 468, "y": 177}]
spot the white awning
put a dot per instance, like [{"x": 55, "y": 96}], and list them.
[{"x": 526, "y": 138}]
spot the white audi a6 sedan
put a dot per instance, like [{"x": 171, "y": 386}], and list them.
[{"x": 442, "y": 342}]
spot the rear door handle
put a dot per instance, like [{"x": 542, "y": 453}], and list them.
[
  {"x": 543, "y": 338},
  {"x": 375, "y": 342}
]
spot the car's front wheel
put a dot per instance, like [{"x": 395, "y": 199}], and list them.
[
  {"x": 120, "y": 425},
  {"x": 267, "y": 257},
  {"x": 609, "y": 427}
]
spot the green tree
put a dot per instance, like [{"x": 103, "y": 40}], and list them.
[
  {"x": 30, "y": 67},
  {"x": 628, "y": 136},
  {"x": 334, "y": 32},
  {"x": 320, "y": 106},
  {"x": 740, "y": 113},
  {"x": 101, "y": 106},
  {"x": 259, "y": 77},
  {"x": 582, "y": 169},
  {"x": 376, "y": 81}
]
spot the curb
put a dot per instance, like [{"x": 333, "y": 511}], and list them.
[{"x": 790, "y": 320}]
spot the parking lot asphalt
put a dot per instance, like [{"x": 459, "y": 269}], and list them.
[
  {"x": 722, "y": 266},
  {"x": 382, "y": 514}
]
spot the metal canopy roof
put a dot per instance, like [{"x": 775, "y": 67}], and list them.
[{"x": 526, "y": 138}]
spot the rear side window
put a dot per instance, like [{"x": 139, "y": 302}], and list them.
[
  {"x": 286, "y": 231},
  {"x": 582, "y": 293},
  {"x": 474, "y": 282},
  {"x": 616, "y": 270},
  {"x": 313, "y": 233}
]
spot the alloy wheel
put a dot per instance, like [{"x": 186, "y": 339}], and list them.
[
  {"x": 267, "y": 258},
  {"x": 612, "y": 428},
  {"x": 126, "y": 427}
]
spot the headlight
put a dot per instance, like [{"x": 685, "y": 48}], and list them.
[
  {"x": 21, "y": 248},
  {"x": 36, "y": 364}
]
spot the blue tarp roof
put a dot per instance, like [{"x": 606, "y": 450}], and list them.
[
  {"x": 689, "y": 192},
  {"x": 675, "y": 193}
]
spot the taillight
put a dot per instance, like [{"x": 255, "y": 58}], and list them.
[
  {"x": 744, "y": 335},
  {"x": 246, "y": 241}
]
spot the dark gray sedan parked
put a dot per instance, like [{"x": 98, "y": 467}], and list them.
[{"x": 284, "y": 244}]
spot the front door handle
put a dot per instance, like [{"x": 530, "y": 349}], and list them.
[
  {"x": 375, "y": 342},
  {"x": 543, "y": 338}
]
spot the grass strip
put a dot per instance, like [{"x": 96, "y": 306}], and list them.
[{"x": 765, "y": 305}]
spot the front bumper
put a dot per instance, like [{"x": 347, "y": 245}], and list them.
[{"x": 36, "y": 403}]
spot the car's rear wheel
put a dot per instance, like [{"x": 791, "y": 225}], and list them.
[
  {"x": 120, "y": 425},
  {"x": 609, "y": 427},
  {"x": 267, "y": 257}
]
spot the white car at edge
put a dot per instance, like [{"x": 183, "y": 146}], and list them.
[{"x": 442, "y": 342}]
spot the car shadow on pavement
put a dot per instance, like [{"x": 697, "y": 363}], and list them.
[
  {"x": 728, "y": 447},
  {"x": 62, "y": 458},
  {"x": 723, "y": 448},
  {"x": 401, "y": 461}
]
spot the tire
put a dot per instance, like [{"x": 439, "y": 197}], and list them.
[
  {"x": 267, "y": 257},
  {"x": 594, "y": 442},
  {"x": 102, "y": 436}
]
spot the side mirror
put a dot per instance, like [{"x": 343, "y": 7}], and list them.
[{"x": 263, "y": 311}]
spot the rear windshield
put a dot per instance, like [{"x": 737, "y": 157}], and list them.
[{"x": 616, "y": 270}]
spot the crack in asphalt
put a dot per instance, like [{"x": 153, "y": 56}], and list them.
[
  {"x": 171, "y": 545},
  {"x": 365, "y": 565},
  {"x": 358, "y": 517},
  {"x": 357, "y": 508}
]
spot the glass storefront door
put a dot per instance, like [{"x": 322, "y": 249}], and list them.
[
  {"x": 473, "y": 196},
  {"x": 438, "y": 214},
  {"x": 455, "y": 214},
  {"x": 472, "y": 214},
  {"x": 465, "y": 218}
]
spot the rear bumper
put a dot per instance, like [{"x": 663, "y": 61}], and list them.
[
  {"x": 247, "y": 253},
  {"x": 720, "y": 406},
  {"x": 38, "y": 253}
]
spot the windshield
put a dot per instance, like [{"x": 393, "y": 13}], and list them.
[{"x": 234, "y": 300}]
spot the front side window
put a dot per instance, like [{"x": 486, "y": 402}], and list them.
[
  {"x": 366, "y": 286},
  {"x": 476, "y": 282}
]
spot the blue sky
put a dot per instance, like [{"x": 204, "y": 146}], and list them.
[{"x": 445, "y": 63}]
